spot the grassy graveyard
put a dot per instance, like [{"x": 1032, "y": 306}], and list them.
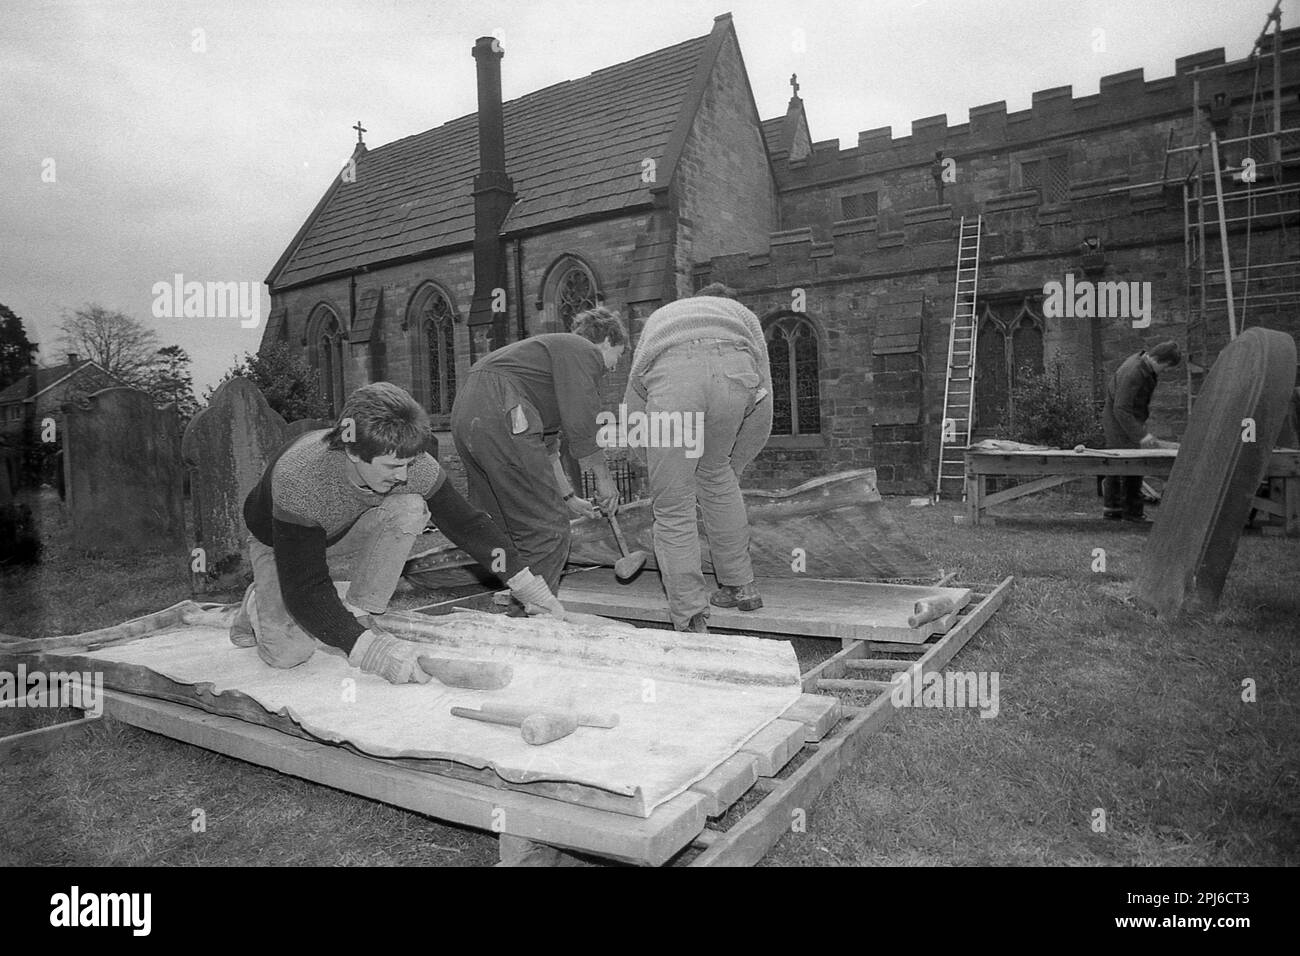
[{"x": 1100, "y": 709}]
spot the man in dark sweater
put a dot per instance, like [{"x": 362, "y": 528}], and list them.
[
  {"x": 1124, "y": 419},
  {"x": 507, "y": 421},
  {"x": 346, "y": 504}
]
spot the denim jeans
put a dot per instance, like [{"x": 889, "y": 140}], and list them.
[
  {"x": 365, "y": 565},
  {"x": 713, "y": 384}
]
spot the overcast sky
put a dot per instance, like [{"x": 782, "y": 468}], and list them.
[{"x": 172, "y": 159}]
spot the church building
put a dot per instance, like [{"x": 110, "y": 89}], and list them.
[{"x": 646, "y": 180}]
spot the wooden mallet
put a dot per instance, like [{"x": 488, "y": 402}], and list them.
[
  {"x": 537, "y": 727},
  {"x": 631, "y": 562}
]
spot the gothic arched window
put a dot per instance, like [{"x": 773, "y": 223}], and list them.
[
  {"x": 325, "y": 354},
  {"x": 432, "y": 319},
  {"x": 570, "y": 288},
  {"x": 1010, "y": 342},
  {"x": 796, "y": 379}
]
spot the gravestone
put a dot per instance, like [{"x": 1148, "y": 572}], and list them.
[
  {"x": 1221, "y": 461},
  {"x": 123, "y": 472},
  {"x": 226, "y": 448}
]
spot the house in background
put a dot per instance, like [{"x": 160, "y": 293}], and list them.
[
  {"x": 642, "y": 182},
  {"x": 43, "y": 391}
]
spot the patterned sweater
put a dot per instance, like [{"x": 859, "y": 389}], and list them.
[
  {"x": 698, "y": 317},
  {"x": 307, "y": 501}
]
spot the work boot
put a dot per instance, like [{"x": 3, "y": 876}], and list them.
[
  {"x": 745, "y": 597},
  {"x": 697, "y": 624}
]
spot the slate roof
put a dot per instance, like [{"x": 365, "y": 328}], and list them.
[
  {"x": 773, "y": 135},
  {"x": 573, "y": 149},
  {"x": 45, "y": 377}
]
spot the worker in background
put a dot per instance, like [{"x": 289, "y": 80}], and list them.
[
  {"x": 703, "y": 357},
  {"x": 1124, "y": 420},
  {"x": 508, "y": 420},
  {"x": 346, "y": 504}
]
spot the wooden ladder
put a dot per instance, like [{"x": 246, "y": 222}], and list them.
[{"x": 959, "y": 383}]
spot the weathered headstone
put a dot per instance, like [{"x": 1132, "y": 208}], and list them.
[
  {"x": 1222, "y": 459},
  {"x": 226, "y": 448},
  {"x": 122, "y": 459}
]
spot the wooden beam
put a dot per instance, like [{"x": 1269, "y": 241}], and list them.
[
  {"x": 43, "y": 739},
  {"x": 727, "y": 783},
  {"x": 774, "y": 745},
  {"x": 862, "y": 686},
  {"x": 1028, "y": 488},
  {"x": 808, "y": 607},
  {"x": 653, "y": 840},
  {"x": 746, "y": 842},
  {"x": 817, "y": 714},
  {"x": 517, "y": 851}
]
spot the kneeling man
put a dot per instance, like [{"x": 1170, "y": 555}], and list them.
[{"x": 346, "y": 504}]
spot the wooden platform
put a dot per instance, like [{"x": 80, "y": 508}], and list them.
[
  {"x": 786, "y": 766},
  {"x": 1058, "y": 467},
  {"x": 849, "y": 610}
]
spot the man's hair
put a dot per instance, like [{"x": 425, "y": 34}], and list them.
[
  {"x": 1167, "y": 353},
  {"x": 719, "y": 289},
  {"x": 385, "y": 420},
  {"x": 598, "y": 324}
]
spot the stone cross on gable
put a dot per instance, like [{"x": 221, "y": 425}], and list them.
[
  {"x": 794, "y": 83},
  {"x": 360, "y": 129}
]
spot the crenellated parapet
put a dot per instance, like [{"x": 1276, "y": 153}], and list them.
[{"x": 1122, "y": 99}]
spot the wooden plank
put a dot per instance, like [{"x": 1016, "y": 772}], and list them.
[
  {"x": 1027, "y": 488},
  {"x": 858, "y": 685},
  {"x": 727, "y": 783},
  {"x": 817, "y": 714},
  {"x": 116, "y": 634},
  {"x": 833, "y": 666},
  {"x": 1284, "y": 463},
  {"x": 878, "y": 664},
  {"x": 809, "y": 607},
  {"x": 746, "y": 842},
  {"x": 517, "y": 851},
  {"x": 141, "y": 681},
  {"x": 43, "y": 739},
  {"x": 653, "y": 840},
  {"x": 706, "y": 838},
  {"x": 1207, "y": 498},
  {"x": 774, "y": 745}
]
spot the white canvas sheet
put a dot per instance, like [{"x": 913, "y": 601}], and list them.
[{"x": 685, "y": 703}]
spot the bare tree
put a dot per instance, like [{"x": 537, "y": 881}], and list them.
[{"x": 120, "y": 344}]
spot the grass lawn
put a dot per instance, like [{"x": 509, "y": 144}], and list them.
[{"x": 1099, "y": 709}]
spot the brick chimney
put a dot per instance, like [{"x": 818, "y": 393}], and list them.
[
  {"x": 72, "y": 359},
  {"x": 494, "y": 193}
]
